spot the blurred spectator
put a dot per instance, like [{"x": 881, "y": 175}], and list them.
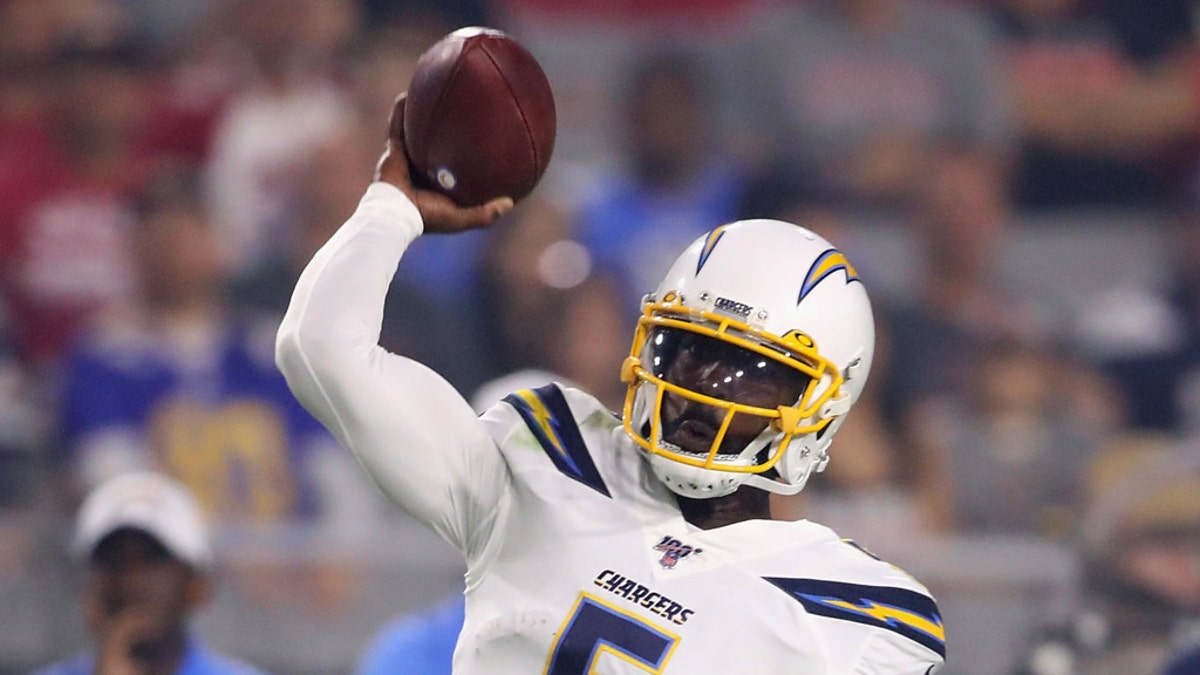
[
  {"x": 527, "y": 267},
  {"x": 677, "y": 185},
  {"x": 289, "y": 106},
  {"x": 1149, "y": 342},
  {"x": 856, "y": 93},
  {"x": 179, "y": 385},
  {"x": 1141, "y": 542},
  {"x": 27, "y": 40},
  {"x": 1011, "y": 448},
  {"x": 148, "y": 558},
  {"x": 1065, "y": 63},
  {"x": 433, "y": 328},
  {"x": 960, "y": 223},
  {"x": 421, "y": 643},
  {"x": 65, "y": 209}
]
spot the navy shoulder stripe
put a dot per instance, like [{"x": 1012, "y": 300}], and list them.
[
  {"x": 546, "y": 413},
  {"x": 911, "y": 614}
]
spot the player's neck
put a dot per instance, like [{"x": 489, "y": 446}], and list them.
[{"x": 746, "y": 504}]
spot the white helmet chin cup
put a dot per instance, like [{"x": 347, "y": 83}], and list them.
[
  {"x": 693, "y": 481},
  {"x": 775, "y": 289}
]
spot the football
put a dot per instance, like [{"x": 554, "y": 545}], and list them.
[{"x": 479, "y": 118}]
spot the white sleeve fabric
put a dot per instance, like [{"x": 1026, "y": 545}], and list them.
[
  {"x": 886, "y": 655},
  {"x": 414, "y": 434}
]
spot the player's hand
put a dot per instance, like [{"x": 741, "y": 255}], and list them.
[
  {"x": 117, "y": 641},
  {"x": 439, "y": 213}
]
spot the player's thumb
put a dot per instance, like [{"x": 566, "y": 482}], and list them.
[{"x": 442, "y": 215}]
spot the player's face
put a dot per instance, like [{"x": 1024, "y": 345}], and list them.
[
  {"x": 723, "y": 371},
  {"x": 132, "y": 575}
]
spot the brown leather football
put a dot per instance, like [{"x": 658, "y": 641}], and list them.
[{"x": 479, "y": 120}]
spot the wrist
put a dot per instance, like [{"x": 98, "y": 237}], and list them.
[{"x": 387, "y": 201}]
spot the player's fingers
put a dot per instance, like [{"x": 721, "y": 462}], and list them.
[
  {"x": 480, "y": 216},
  {"x": 497, "y": 207},
  {"x": 443, "y": 215}
]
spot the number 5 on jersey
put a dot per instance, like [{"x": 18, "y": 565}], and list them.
[{"x": 594, "y": 627}]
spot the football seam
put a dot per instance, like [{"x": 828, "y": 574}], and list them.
[
  {"x": 435, "y": 113},
  {"x": 524, "y": 118}
]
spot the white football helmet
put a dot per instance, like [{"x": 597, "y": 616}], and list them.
[{"x": 761, "y": 311}]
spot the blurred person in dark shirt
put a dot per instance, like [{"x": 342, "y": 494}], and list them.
[
  {"x": 960, "y": 223},
  {"x": 1148, "y": 339},
  {"x": 1065, "y": 61},
  {"x": 1009, "y": 446},
  {"x": 676, "y": 184}
]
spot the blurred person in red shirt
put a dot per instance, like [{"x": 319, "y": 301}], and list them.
[{"x": 64, "y": 210}]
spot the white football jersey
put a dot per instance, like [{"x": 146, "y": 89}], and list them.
[{"x": 578, "y": 560}]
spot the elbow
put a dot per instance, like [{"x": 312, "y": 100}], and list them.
[
  {"x": 299, "y": 350},
  {"x": 306, "y": 352},
  {"x": 290, "y": 354},
  {"x": 287, "y": 348}
]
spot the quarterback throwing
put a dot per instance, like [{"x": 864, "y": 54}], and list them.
[{"x": 640, "y": 542}]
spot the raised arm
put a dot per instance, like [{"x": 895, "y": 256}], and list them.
[{"x": 413, "y": 433}]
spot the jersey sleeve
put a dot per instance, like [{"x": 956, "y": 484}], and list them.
[
  {"x": 414, "y": 434},
  {"x": 885, "y": 655},
  {"x": 872, "y": 617}
]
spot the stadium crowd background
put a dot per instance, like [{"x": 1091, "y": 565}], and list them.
[{"x": 1015, "y": 179}]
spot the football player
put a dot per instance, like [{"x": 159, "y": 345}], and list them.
[{"x": 638, "y": 543}]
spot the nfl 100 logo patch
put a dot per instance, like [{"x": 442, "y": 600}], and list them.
[{"x": 673, "y": 551}]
